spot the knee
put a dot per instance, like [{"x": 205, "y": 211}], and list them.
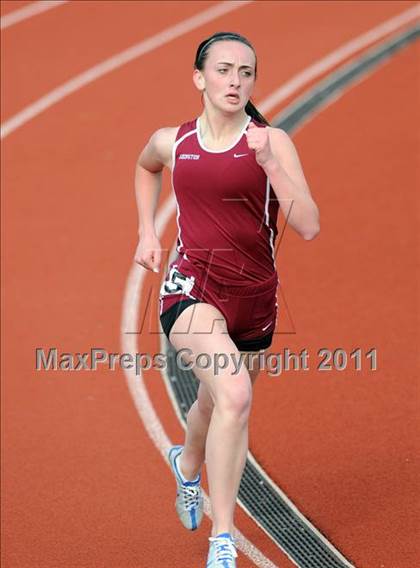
[{"x": 235, "y": 398}]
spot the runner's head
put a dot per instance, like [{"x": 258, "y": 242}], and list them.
[{"x": 226, "y": 65}]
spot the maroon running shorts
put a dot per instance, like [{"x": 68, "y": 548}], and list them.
[{"x": 250, "y": 311}]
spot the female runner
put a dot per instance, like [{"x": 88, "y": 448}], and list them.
[{"x": 230, "y": 172}]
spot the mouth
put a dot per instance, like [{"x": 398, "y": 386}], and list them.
[{"x": 233, "y": 98}]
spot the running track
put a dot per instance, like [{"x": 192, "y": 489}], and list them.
[{"x": 82, "y": 483}]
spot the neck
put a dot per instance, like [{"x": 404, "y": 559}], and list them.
[{"x": 219, "y": 127}]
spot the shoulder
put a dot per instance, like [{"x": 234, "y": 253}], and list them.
[
  {"x": 281, "y": 143},
  {"x": 158, "y": 150},
  {"x": 278, "y": 135},
  {"x": 284, "y": 149},
  {"x": 163, "y": 139}
]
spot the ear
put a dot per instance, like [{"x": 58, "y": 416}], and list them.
[{"x": 199, "y": 80}]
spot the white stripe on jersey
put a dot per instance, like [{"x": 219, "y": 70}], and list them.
[
  {"x": 267, "y": 219},
  {"x": 175, "y": 146}
]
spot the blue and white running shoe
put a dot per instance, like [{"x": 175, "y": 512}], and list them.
[
  {"x": 189, "y": 498},
  {"x": 222, "y": 552}
]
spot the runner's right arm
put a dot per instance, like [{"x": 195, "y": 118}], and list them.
[{"x": 148, "y": 184}]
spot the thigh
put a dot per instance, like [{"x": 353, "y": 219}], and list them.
[
  {"x": 253, "y": 361},
  {"x": 200, "y": 334}
]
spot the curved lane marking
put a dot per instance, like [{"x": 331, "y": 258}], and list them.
[
  {"x": 336, "y": 57},
  {"x": 28, "y": 11},
  {"x": 116, "y": 61}
]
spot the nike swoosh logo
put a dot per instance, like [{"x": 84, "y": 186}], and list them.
[
  {"x": 239, "y": 155},
  {"x": 264, "y": 328}
]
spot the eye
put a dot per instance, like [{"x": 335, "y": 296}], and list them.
[
  {"x": 247, "y": 73},
  {"x": 222, "y": 69}
]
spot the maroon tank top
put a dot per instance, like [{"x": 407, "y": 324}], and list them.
[{"x": 226, "y": 208}]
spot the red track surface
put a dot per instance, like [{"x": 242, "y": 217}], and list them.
[{"x": 83, "y": 485}]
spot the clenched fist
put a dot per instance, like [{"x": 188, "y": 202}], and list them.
[
  {"x": 148, "y": 253},
  {"x": 258, "y": 139}
]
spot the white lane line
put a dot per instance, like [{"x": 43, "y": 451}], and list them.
[
  {"x": 28, "y": 11},
  {"x": 138, "y": 389},
  {"x": 336, "y": 57},
  {"x": 117, "y": 61},
  {"x": 298, "y": 81}
]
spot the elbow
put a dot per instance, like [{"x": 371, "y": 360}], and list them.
[
  {"x": 313, "y": 226},
  {"x": 311, "y": 233}
]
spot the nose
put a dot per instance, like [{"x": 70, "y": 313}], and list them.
[{"x": 234, "y": 78}]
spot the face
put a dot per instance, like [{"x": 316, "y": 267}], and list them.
[{"x": 228, "y": 77}]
